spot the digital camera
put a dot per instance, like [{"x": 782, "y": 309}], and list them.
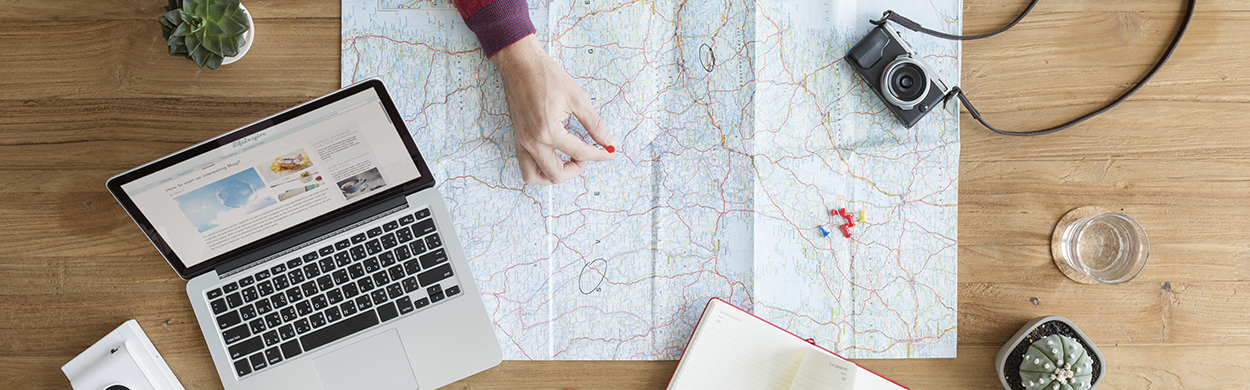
[{"x": 894, "y": 71}]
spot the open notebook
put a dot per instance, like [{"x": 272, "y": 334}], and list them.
[{"x": 733, "y": 349}]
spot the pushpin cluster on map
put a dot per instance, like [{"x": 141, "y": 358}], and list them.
[{"x": 845, "y": 227}]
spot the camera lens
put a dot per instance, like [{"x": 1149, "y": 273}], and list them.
[
  {"x": 905, "y": 82},
  {"x": 117, "y": 387}
]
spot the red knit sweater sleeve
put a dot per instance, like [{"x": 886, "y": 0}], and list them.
[{"x": 497, "y": 23}]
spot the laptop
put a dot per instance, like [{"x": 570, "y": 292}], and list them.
[{"x": 317, "y": 251}]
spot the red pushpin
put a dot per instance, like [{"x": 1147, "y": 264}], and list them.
[{"x": 610, "y": 149}]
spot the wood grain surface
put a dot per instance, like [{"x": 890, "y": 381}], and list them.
[{"x": 87, "y": 90}]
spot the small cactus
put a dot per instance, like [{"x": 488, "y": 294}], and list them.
[
  {"x": 205, "y": 31},
  {"x": 1056, "y": 362}
]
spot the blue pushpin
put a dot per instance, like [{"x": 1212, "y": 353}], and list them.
[{"x": 823, "y": 232}]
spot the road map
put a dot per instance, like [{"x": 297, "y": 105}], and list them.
[{"x": 740, "y": 128}]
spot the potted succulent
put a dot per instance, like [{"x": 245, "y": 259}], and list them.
[
  {"x": 1050, "y": 353},
  {"x": 209, "y": 32}
]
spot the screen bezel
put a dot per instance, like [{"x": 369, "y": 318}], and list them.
[{"x": 115, "y": 183}]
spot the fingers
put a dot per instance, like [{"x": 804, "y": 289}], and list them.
[
  {"x": 545, "y": 167},
  {"x": 594, "y": 123},
  {"x": 577, "y": 150},
  {"x": 529, "y": 169}
]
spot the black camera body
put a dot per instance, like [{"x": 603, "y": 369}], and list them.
[{"x": 894, "y": 71}]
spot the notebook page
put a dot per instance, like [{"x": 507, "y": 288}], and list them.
[
  {"x": 734, "y": 350},
  {"x": 822, "y": 371}
]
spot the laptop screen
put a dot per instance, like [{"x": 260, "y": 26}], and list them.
[{"x": 220, "y": 196}]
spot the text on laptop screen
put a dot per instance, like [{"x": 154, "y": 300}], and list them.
[{"x": 274, "y": 179}]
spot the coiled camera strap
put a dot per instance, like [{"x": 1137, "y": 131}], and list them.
[{"x": 956, "y": 92}]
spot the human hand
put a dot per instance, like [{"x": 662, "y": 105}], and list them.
[{"x": 541, "y": 96}]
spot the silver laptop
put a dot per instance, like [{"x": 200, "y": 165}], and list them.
[{"x": 318, "y": 252}]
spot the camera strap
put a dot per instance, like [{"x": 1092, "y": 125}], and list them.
[{"x": 956, "y": 92}]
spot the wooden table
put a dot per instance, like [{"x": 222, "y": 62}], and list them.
[{"x": 87, "y": 90}]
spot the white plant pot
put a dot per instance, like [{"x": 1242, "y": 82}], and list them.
[{"x": 248, "y": 37}]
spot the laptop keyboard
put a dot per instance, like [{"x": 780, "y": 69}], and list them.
[{"x": 395, "y": 267}]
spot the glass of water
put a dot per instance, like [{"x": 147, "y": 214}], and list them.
[{"x": 1111, "y": 248}]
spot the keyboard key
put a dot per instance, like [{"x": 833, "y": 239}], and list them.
[
  {"x": 434, "y": 289},
  {"x": 358, "y": 252},
  {"x": 340, "y": 276},
  {"x": 342, "y": 329},
  {"x": 452, "y": 291},
  {"x": 327, "y": 264},
  {"x": 318, "y": 320},
  {"x": 257, "y": 326},
  {"x": 422, "y": 214},
  {"x": 311, "y": 270},
  {"x": 235, "y": 334},
  {"x": 278, "y": 269},
  {"x": 433, "y": 241},
  {"x": 272, "y": 320},
  {"x": 296, "y": 262},
  {"x": 396, "y": 272},
  {"x": 359, "y": 238},
  {"x": 258, "y": 362},
  {"x": 422, "y": 228},
  {"x": 278, "y": 300},
  {"x": 394, "y": 290},
  {"x": 303, "y": 308},
  {"x": 262, "y": 275},
  {"x": 247, "y": 312},
  {"x": 412, "y": 267},
  {"x": 309, "y": 288},
  {"x": 219, "y": 306},
  {"x": 230, "y": 287},
  {"x": 273, "y": 356},
  {"x": 291, "y": 349},
  {"x": 433, "y": 258},
  {"x": 392, "y": 225},
  {"x": 342, "y": 259},
  {"x": 356, "y": 271},
  {"x": 372, "y": 265},
  {"x": 262, "y": 306},
  {"x": 280, "y": 282},
  {"x": 373, "y": 247},
  {"x": 418, "y": 247},
  {"x": 249, "y": 294},
  {"x": 294, "y": 295},
  {"x": 341, "y": 245},
  {"x": 374, "y": 232},
  {"x": 420, "y": 303},
  {"x": 246, "y": 281},
  {"x": 287, "y": 332},
  {"x": 332, "y": 314},
  {"x": 403, "y": 235},
  {"x": 365, "y": 284},
  {"x": 242, "y": 367},
  {"x": 319, "y": 302},
  {"x": 410, "y": 284},
  {"x": 334, "y": 296},
  {"x": 325, "y": 282},
  {"x": 297, "y": 276},
  {"x": 271, "y": 338},
  {"x": 387, "y": 311},
  {"x": 407, "y": 219},
  {"x": 214, "y": 293},
  {"x": 302, "y": 326},
  {"x": 348, "y": 308},
  {"x": 387, "y": 259},
  {"x": 405, "y": 305},
  {"x": 288, "y": 314},
  {"x": 436, "y": 297},
  {"x": 326, "y": 251},
  {"x": 402, "y": 253},
  {"x": 350, "y": 290},
  {"x": 310, "y": 256},
  {"x": 389, "y": 241},
  {"x": 381, "y": 279},
  {"x": 363, "y": 303},
  {"x": 234, "y": 300},
  {"x": 433, "y": 276},
  {"x": 379, "y": 296},
  {"x": 246, "y": 348},
  {"x": 265, "y": 288}
]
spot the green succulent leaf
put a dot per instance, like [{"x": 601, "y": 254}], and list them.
[
  {"x": 214, "y": 62},
  {"x": 201, "y": 55},
  {"x": 230, "y": 46},
  {"x": 173, "y": 5}
]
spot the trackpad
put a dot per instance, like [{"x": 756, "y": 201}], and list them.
[{"x": 377, "y": 363}]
